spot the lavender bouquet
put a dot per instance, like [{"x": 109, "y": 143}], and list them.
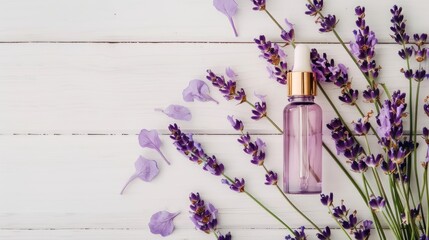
[{"x": 394, "y": 180}]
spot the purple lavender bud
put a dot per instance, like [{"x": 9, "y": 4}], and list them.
[
  {"x": 349, "y": 97},
  {"x": 335, "y": 124},
  {"x": 360, "y": 11},
  {"x": 377, "y": 203},
  {"x": 340, "y": 212},
  {"x": 359, "y": 166},
  {"x": 408, "y": 73},
  {"x": 354, "y": 152},
  {"x": 240, "y": 96},
  {"x": 271, "y": 178},
  {"x": 420, "y": 54},
  {"x": 371, "y": 95},
  {"x": 361, "y": 128},
  {"x": 236, "y": 124},
  {"x": 259, "y": 5},
  {"x": 260, "y": 111},
  {"x": 228, "y": 88},
  {"x": 288, "y": 35},
  {"x": 398, "y": 26},
  {"x": 244, "y": 139},
  {"x": 420, "y": 39},
  {"x": 350, "y": 223},
  {"x": 328, "y": 23},
  {"x": 272, "y": 53},
  {"x": 408, "y": 52},
  {"x": 212, "y": 166},
  {"x": 225, "y": 237},
  {"x": 426, "y": 108},
  {"x": 372, "y": 161},
  {"x": 327, "y": 199},
  {"x": 397, "y": 155},
  {"x": 203, "y": 215},
  {"x": 424, "y": 237},
  {"x": 425, "y": 133},
  {"x": 297, "y": 234},
  {"x": 237, "y": 185},
  {"x": 389, "y": 167},
  {"x": 420, "y": 75},
  {"x": 314, "y": 7},
  {"x": 363, "y": 233},
  {"x": 325, "y": 235}
]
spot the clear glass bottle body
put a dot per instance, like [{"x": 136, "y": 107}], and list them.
[{"x": 302, "y": 167}]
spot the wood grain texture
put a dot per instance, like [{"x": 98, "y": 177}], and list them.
[
  {"x": 79, "y": 79},
  {"x": 185, "y": 20},
  {"x": 114, "y": 88}
]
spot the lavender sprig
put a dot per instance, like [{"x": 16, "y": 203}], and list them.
[
  {"x": 256, "y": 149},
  {"x": 204, "y": 216},
  {"x": 228, "y": 88},
  {"x": 275, "y": 57},
  {"x": 194, "y": 152}
]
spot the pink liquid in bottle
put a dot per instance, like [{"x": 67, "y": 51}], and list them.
[{"x": 302, "y": 171}]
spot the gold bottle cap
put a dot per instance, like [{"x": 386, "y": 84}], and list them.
[{"x": 301, "y": 84}]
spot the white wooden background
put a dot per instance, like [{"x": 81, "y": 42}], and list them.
[{"x": 79, "y": 79}]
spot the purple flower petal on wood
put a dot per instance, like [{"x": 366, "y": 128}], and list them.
[
  {"x": 150, "y": 139},
  {"x": 261, "y": 97},
  {"x": 229, "y": 8},
  {"x": 177, "y": 112},
  {"x": 199, "y": 90},
  {"x": 162, "y": 223},
  {"x": 146, "y": 170},
  {"x": 231, "y": 74}
]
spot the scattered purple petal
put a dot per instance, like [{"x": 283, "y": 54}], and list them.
[
  {"x": 197, "y": 90},
  {"x": 146, "y": 170},
  {"x": 231, "y": 74},
  {"x": 150, "y": 139},
  {"x": 177, "y": 112},
  {"x": 261, "y": 97},
  {"x": 162, "y": 223},
  {"x": 229, "y": 8}
]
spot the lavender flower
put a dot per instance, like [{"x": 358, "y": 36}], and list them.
[
  {"x": 344, "y": 141},
  {"x": 228, "y": 88},
  {"x": 325, "y": 235},
  {"x": 272, "y": 53},
  {"x": 349, "y": 97},
  {"x": 259, "y": 5},
  {"x": 405, "y": 53},
  {"x": 364, "y": 231},
  {"x": 398, "y": 26},
  {"x": 426, "y": 106},
  {"x": 298, "y": 234},
  {"x": 390, "y": 118},
  {"x": 203, "y": 215},
  {"x": 377, "y": 203},
  {"x": 362, "y": 128},
  {"x": 359, "y": 166},
  {"x": 420, "y": 75},
  {"x": 236, "y": 124},
  {"x": 255, "y": 149},
  {"x": 372, "y": 161},
  {"x": 288, "y": 35},
  {"x": 371, "y": 94},
  {"x": 260, "y": 110},
  {"x": 327, "y": 199},
  {"x": 420, "y": 39},
  {"x": 237, "y": 185},
  {"x": 271, "y": 178},
  {"x": 225, "y": 237},
  {"x": 424, "y": 237},
  {"x": 328, "y": 23},
  {"x": 363, "y": 48},
  {"x": 327, "y": 71},
  {"x": 185, "y": 144},
  {"x": 314, "y": 7},
  {"x": 389, "y": 167},
  {"x": 420, "y": 54}
]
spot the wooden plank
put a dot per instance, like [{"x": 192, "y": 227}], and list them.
[
  {"x": 179, "y": 234},
  {"x": 73, "y": 182},
  {"x": 186, "y": 20},
  {"x": 114, "y": 88}
]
